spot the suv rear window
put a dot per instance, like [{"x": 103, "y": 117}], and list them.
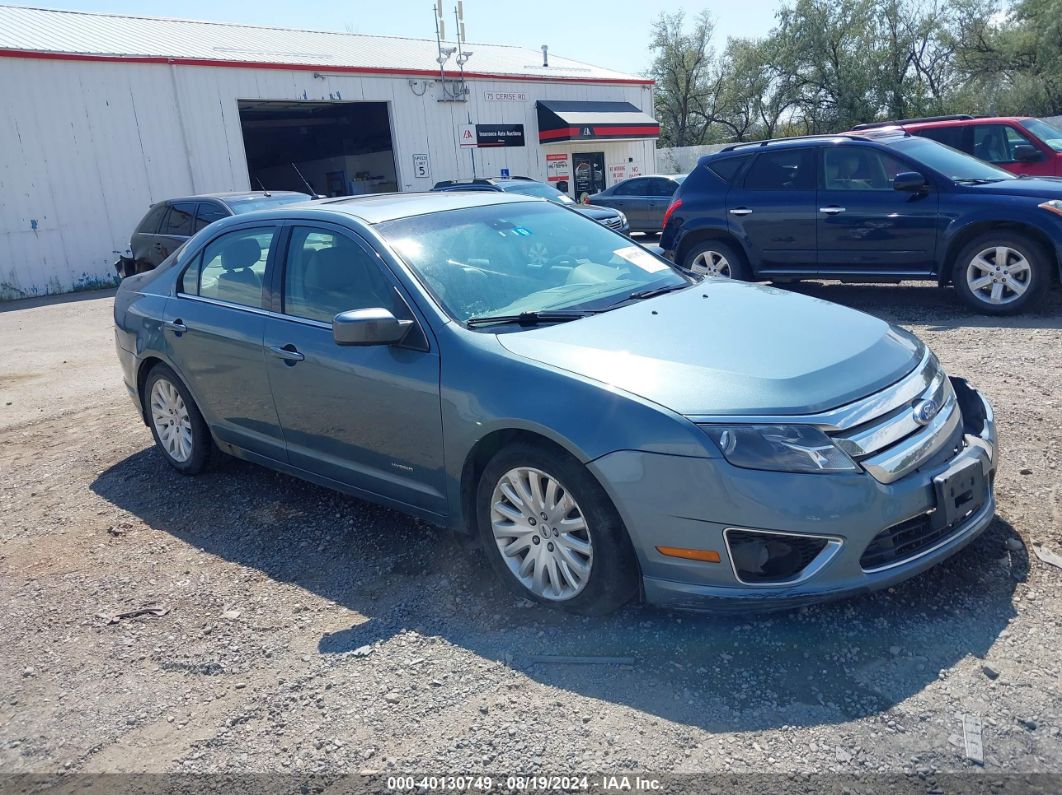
[
  {"x": 727, "y": 168},
  {"x": 150, "y": 224}
]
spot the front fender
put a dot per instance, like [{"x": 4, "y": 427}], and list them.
[{"x": 964, "y": 222}]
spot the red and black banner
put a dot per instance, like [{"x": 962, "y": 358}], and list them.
[{"x": 561, "y": 120}]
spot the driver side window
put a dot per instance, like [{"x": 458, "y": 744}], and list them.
[{"x": 328, "y": 273}]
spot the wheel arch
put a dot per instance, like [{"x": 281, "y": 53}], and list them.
[
  {"x": 143, "y": 370},
  {"x": 480, "y": 455},
  {"x": 978, "y": 228},
  {"x": 696, "y": 236}
]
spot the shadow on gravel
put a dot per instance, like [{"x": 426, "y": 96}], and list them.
[
  {"x": 817, "y": 665},
  {"x": 927, "y": 303}
]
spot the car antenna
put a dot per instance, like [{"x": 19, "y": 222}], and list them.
[
  {"x": 263, "y": 187},
  {"x": 309, "y": 187}
]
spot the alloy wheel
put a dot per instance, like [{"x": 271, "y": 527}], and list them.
[
  {"x": 711, "y": 263},
  {"x": 171, "y": 420},
  {"x": 541, "y": 533},
  {"x": 998, "y": 275}
]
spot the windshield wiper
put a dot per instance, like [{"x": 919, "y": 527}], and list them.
[
  {"x": 977, "y": 180},
  {"x": 639, "y": 295},
  {"x": 531, "y": 318}
]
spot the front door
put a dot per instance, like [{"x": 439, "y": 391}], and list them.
[
  {"x": 865, "y": 225},
  {"x": 588, "y": 169},
  {"x": 772, "y": 212},
  {"x": 213, "y": 330},
  {"x": 368, "y": 417}
]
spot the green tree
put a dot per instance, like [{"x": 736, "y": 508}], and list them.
[{"x": 686, "y": 77}]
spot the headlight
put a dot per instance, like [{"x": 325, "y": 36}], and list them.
[
  {"x": 623, "y": 219},
  {"x": 781, "y": 448},
  {"x": 1052, "y": 206}
]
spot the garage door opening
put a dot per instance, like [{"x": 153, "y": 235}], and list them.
[{"x": 339, "y": 148}]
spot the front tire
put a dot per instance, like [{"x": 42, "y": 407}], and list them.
[
  {"x": 552, "y": 534},
  {"x": 181, "y": 434},
  {"x": 1001, "y": 273},
  {"x": 716, "y": 258}
]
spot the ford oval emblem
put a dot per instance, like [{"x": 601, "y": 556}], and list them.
[{"x": 924, "y": 411}]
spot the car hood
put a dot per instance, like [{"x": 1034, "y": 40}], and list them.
[
  {"x": 596, "y": 212},
  {"x": 724, "y": 347},
  {"x": 1033, "y": 187}
]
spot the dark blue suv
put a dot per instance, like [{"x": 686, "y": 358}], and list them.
[{"x": 873, "y": 206}]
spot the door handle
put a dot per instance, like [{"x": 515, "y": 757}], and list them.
[
  {"x": 176, "y": 326},
  {"x": 288, "y": 353},
  {"x": 741, "y": 211},
  {"x": 834, "y": 210}
]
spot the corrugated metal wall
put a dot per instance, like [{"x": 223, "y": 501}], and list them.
[{"x": 88, "y": 146}]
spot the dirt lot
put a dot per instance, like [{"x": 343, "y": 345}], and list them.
[{"x": 305, "y": 631}]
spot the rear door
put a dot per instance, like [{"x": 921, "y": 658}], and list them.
[
  {"x": 214, "y": 329},
  {"x": 773, "y": 211},
  {"x": 368, "y": 417},
  {"x": 176, "y": 228},
  {"x": 632, "y": 199},
  {"x": 662, "y": 192},
  {"x": 865, "y": 225},
  {"x": 143, "y": 242}
]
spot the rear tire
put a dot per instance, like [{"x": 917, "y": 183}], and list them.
[
  {"x": 181, "y": 434},
  {"x": 716, "y": 258},
  {"x": 1001, "y": 273},
  {"x": 565, "y": 543}
]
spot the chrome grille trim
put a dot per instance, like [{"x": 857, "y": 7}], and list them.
[
  {"x": 916, "y": 449},
  {"x": 897, "y": 424}
]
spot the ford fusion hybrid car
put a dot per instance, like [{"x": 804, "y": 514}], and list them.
[{"x": 567, "y": 411}]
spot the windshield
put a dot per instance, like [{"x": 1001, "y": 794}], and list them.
[
  {"x": 506, "y": 259},
  {"x": 264, "y": 202},
  {"x": 952, "y": 163},
  {"x": 541, "y": 191},
  {"x": 1048, "y": 133}
]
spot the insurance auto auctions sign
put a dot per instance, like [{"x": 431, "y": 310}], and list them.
[{"x": 491, "y": 135}]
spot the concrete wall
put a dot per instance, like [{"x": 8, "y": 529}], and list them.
[{"x": 87, "y": 147}]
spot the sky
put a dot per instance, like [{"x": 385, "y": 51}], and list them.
[{"x": 609, "y": 33}]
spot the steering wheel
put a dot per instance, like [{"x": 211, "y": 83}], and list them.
[{"x": 562, "y": 261}]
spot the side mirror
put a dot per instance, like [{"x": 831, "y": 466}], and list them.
[
  {"x": 910, "y": 181},
  {"x": 375, "y": 326},
  {"x": 1027, "y": 153}
]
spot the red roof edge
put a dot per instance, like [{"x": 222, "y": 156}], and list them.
[{"x": 368, "y": 70}]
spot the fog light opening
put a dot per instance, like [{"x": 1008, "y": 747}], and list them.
[{"x": 767, "y": 558}]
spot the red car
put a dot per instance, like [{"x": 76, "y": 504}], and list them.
[{"x": 1020, "y": 144}]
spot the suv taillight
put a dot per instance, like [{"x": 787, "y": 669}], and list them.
[{"x": 670, "y": 209}]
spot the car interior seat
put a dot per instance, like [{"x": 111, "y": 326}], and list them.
[{"x": 238, "y": 282}]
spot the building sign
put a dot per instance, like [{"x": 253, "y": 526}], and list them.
[
  {"x": 499, "y": 135},
  {"x": 634, "y": 170},
  {"x": 558, "y": 168},
  {"x": 617, "y": 172},
  {"x": 420, "y": 167},
  {"x": 491, "y": 135},
  {"x": 505, "y": 96}
]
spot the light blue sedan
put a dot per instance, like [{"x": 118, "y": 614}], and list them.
[{"x": 609, "y": 426}]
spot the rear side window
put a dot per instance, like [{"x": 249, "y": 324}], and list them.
[
  {"x": 178, "y": 222},
  {"x": 954, "y": 137},
  {"x": 727, "y": 168},
  {"x": 207, "y": 213},
  {"x": 662, "y": 187},
  {"x": 632, "y": 187},
  {"x": 782, "y": 169},
  {"x": 150, "y": 224},
  {"x": 232, "y": 267}
]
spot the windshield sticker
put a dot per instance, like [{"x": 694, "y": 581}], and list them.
[
  {"x": 522, "y": 231},
  {"x": 642, "y": 258}
]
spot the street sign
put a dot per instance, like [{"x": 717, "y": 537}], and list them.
[
  {"x": 505, "y": 173},
  {"x": 420, "y": 167}
]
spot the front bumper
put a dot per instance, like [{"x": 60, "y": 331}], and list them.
[{"x": 671, "y": 501}]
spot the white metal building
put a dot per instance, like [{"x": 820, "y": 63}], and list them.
[{"x": 104, "y": 115}]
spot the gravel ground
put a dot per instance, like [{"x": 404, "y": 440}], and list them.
[{"x": 308, "y": 632}]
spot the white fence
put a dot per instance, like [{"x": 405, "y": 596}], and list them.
[{"x": 682, "y": 159}]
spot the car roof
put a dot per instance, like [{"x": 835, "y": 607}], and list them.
[
  {"x": 236, "y": 195},
  {"x": 653, "y": 176},
  {"x": 375, "y": 208},
  {"x": 919, "y": 125},
  {"x": 882, "y": 135}
]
